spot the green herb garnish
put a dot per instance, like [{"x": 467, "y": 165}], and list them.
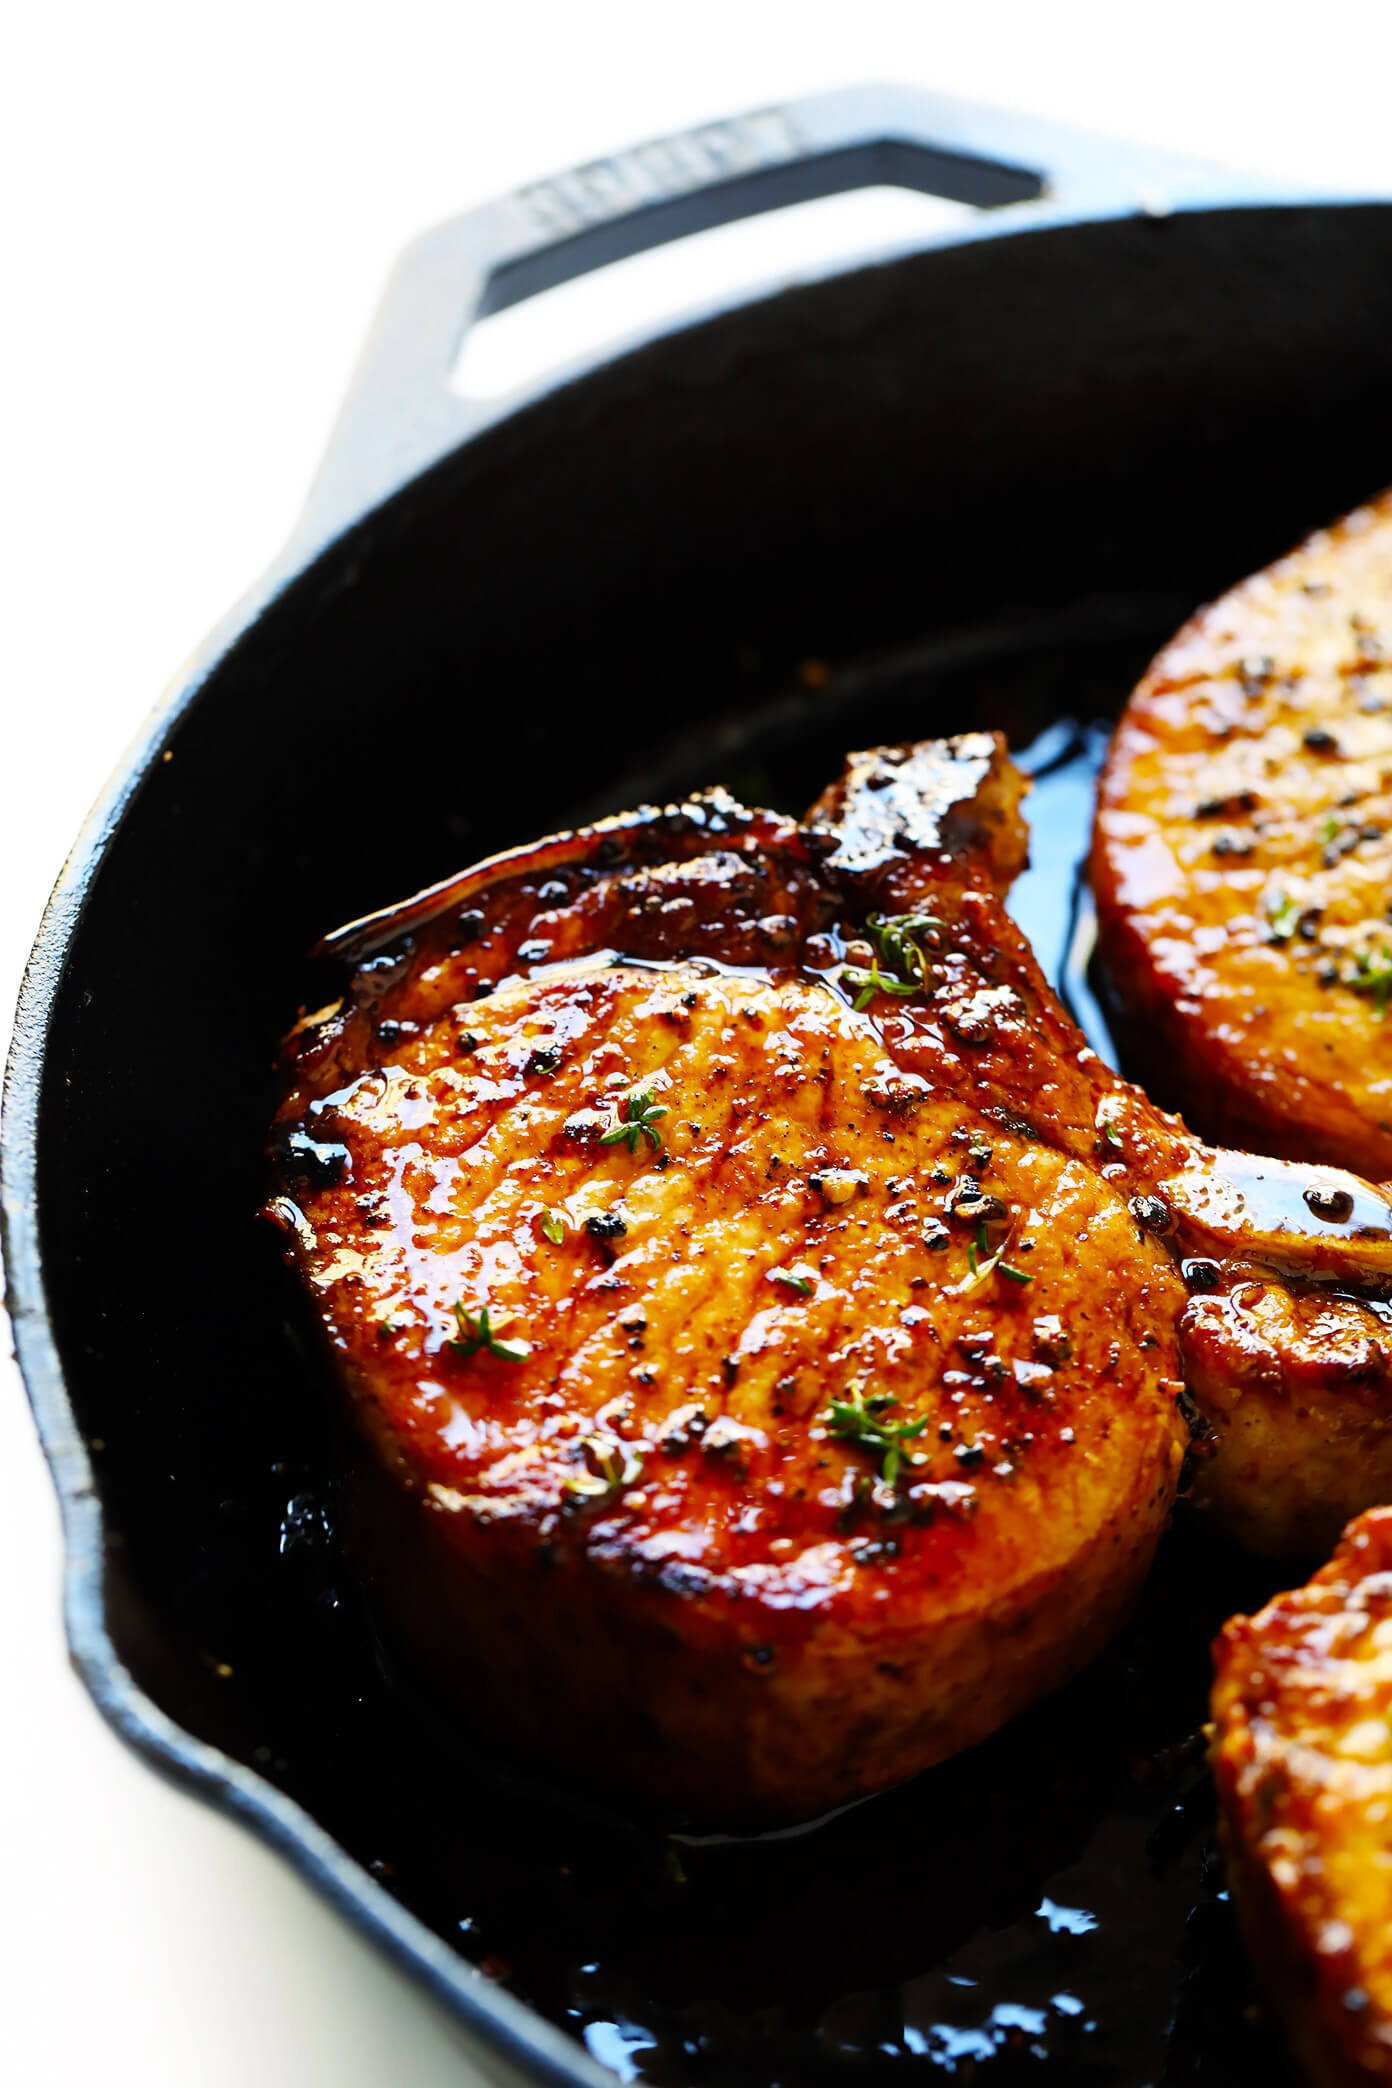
[
  {"x": 901, "y": 968},
  {"x": 797, "y": 1283},
  {"x": 611, "y": 1466},
  {"x": 638, "y": 1121},
  {"x": 1282, "y": 917},
  {"x": 981, "y": 1264},
  {"x": 861, "y": 1421},
  {"x": 1371, "y": 973},
  {"x": 897, "y": 936},
  {"x": 554, "y": 1227},
  {"x": 1327, "y": 831},
  {"x": 476, "y": 1332},
  {"x": 866, "y": 983}
]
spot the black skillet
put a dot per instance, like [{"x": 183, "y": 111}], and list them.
[{"x": 974, "y": 480}]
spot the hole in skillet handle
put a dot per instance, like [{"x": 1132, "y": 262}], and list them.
[
  {"x": 516, "y": 346},
  {"x": 700, "y": 219},
  {"x": 666, "y": 190}
]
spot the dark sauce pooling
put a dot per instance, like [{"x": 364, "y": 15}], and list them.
[{"x": 1049, "y": 1907}]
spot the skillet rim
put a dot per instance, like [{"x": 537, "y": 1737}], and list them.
[{"x": 503, "y": 2029}]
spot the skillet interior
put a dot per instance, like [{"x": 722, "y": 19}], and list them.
[{"x": 980, "y": 485}]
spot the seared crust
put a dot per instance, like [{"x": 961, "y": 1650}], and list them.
[
  {"x": 728, "y": 1605},
  {"x": 826, "y": 1410},
  {"x": 649, "y": 1516},
  {"x": 1295, "y": 1390},
  {"x": 1242, "y": 860},
  {"x": 1302, "y": 1756}
]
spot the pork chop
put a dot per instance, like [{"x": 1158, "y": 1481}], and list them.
[
  {"x": 759, "y": 1311},
  {"x": 1302, "y": 1757},
  {"x": 1242, "y": 861}
]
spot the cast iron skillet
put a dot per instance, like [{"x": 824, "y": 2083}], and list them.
[{"x": 975, "y": 480}]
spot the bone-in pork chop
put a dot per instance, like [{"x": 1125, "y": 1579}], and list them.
[{"x": 759, "y": 1312}]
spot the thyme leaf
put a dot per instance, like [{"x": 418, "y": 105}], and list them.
[
  {"x": 476, "y": 1332},
  {"x": 982, "y": 1264},
  {"x": 865, "y": 983},
  {"x": 800, "y": 1284},
  {"x": 611, "y": 1466},
  {"x": 1371, "y": 974},
  {"x": 900, "y": 968},
  {"x": 897, "y": 937},
  {"x": 864, "y": 1422},
  {"x": 639, "y": 1120},
  {"x": 1282, "y": 917},
  {"x": 554, "y": 1227}
]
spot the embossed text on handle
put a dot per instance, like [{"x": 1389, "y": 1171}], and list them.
[{"x": 654, "y": 172}]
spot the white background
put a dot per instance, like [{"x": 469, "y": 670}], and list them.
[{"x": 200, "y": 204}]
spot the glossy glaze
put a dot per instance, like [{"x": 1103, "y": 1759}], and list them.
[
  {"x": 737, "y": 1604},
  {"x": 1243, "y": 856},
  {"x": 1302, "y": 1756},
  {"x": 631, "y": 1485}
]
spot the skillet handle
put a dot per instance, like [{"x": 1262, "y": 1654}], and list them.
[{"x": 401, "y": 414}]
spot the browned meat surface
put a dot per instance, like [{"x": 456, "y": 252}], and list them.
[
  {"x": 1243, "y": 857},
  {"x": 1302, "y": 1755},
  {"x": 761, "y": 1312},
  {"x": 1293, "y": 1385}
]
